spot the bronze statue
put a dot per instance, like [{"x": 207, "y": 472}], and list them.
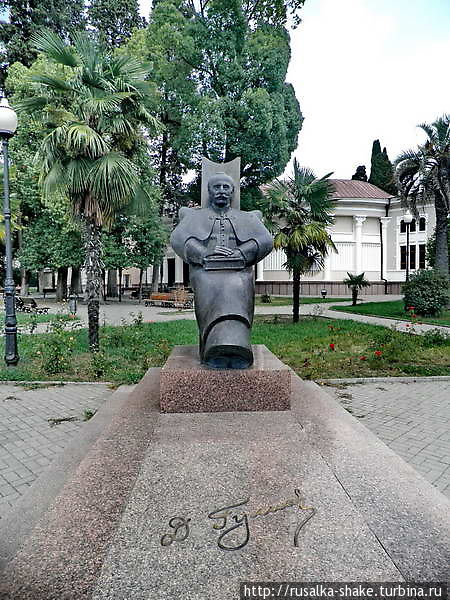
[{"x": 221, "y": 245}]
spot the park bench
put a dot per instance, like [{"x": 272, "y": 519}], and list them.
[
  {"x": 179, "y": 298},
  {"x": 28, "y": 305},
  {"x": 48, "y": 291}
]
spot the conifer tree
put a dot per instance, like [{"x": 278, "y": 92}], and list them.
[
  {"x": 27, "y": 17},
  {"x": 114, "y": 20},
  {"x": 382, "y": 171},
  {"x": 360, "y": 174}
]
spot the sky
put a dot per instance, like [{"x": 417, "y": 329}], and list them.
[{"x": 366, "y": 69}]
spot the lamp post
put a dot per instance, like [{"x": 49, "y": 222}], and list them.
[
  {"x": 8, "y": 126},
  {"x": 407, "y": 219}
]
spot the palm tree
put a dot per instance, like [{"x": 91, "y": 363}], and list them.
[
  {"x": 355, "y": 283},
  {"x": 424, "y": 175},
  {"x": 97, "y": 116},
  {"x": 299, "y": 211}
]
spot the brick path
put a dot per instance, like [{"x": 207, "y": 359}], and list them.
[
  {"x": 28, "y": 442},
  {"x": 412, "y": 418}
]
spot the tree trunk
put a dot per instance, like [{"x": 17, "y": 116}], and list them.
[
  {"x": 25, "y": 276},
  {"x": 155, "y": 277},
  {"x": 93, "y": 266},
  {"x": 75, "y": 281},
  {"x": 354, "y": 296},
  {"x": 61, "y": 286},
  {"x": 120, "y": 284},
  {"x": 441, "y": 237},
  {"x": 111, "y": 289},
  {"x": 141, "y": 274},
  {"x": 296, "y": 296}
]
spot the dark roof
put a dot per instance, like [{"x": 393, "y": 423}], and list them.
[{"x": 352, "y": 188}]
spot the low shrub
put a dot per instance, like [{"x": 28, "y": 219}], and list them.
[{"x": 426, "y": 293}]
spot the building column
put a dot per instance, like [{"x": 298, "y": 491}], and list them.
[
  {"x": 358, "y": 243},
  {"x": 165, "y": 271},
  {"x": 384, "y": 225},
  {"x": 260, "y": 270},
  {"x": 178, "y": 270},
  {"x": 327, "y": 268}
]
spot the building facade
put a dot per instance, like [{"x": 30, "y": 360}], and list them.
[{"x": 369, "y": 235}]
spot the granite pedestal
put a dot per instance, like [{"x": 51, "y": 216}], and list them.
[{"x": 187, "y": 386}]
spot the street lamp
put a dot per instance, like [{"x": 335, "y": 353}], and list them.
[
  {"x": 407, "y": 220},
  {"x": 8, "y": 126}
]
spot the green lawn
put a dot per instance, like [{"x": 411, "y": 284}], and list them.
[
  {"x": 287, "y": 300},
  {"x": 127, "y": 352},
  {"x": 393, "y": 309},
  {"x": 27, "y": 318}
]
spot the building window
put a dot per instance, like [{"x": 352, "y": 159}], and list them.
[
  {"x": 403, "y": 258},
  {"x": 422, "y": 224},
  {"x": 422, "y": 249},
  {"x": 412, "y": 257},
  {"x": 412, "y": 226}
]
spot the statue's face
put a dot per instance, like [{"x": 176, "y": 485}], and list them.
[{"x": 220, "y": 189}]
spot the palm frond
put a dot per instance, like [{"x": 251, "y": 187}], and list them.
[
  {"x": 113, "y": 180},
  {"x": 54, "y": 83},
  {"x": 77, "y": 173},
  {"x": 55, "y": 48},
  {"x": 33, "y": 104},
  {"x": 54, "y": 179},
  {"x": 100, "y": 103},
  {"x": 82, "y": 139},
  {"x": 124, "y": 65}
]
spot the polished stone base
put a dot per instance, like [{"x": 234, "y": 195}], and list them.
[{"x": 187, "y": 386}]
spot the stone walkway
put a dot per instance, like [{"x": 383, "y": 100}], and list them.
[
  {"x": 412, "y": 418},
  {"x": 28, "y": 440},
  {"x": 115, "y": 313}
]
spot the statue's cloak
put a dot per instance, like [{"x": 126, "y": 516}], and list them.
[
  {"x": 221, "y": 294},
  {"x": 198, "y": 223}
]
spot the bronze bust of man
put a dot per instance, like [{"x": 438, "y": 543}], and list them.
[{"x": 221, "y": 245}]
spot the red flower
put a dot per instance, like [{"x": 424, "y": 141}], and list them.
[
  {"x": 413, "y": 316},
  {"x": 378, "y": 353},
  {"x": 362, "y": 358},
  {"x": 331, "y": 346}
]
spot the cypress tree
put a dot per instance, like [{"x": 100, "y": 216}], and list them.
[{"x": 382, "y": 171}]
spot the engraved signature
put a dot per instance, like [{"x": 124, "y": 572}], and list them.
[
  {"x": 228, "y": 519},
  {"x": 180, "y": 533}
]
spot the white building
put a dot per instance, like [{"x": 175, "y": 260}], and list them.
[{"x": 369, "y": 235}]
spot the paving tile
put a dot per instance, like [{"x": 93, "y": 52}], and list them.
[
  {"x": 411, "y": 418},
  {"x": 28, "y": 444}
]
